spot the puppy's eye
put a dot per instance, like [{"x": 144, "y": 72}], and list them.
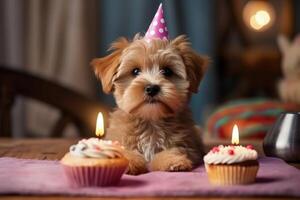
[
  {"x": 166, "y": 71},
  {"x": 136, "y": 71}
]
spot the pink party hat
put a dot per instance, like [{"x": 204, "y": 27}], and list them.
[{"x": 158, "y": 27}]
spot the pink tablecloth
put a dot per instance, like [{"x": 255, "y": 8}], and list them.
[{"x": 41, "y": 177}]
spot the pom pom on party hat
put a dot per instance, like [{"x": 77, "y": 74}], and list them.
[{"x": 158, "y": 27}]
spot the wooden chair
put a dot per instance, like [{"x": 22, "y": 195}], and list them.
[{"x": 74, "y": 108}]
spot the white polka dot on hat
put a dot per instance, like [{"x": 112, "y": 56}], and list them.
[{"x": 158, "y": 27}]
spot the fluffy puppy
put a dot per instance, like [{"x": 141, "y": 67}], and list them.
[{"x": 152, "y": 84}]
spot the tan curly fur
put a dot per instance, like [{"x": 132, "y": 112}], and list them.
[{"x": 157, "y": 131}]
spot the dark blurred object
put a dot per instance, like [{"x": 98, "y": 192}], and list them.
[
  {"x": 248, "y": 58},
  {"x": 283, "y": 139},
  {"x": 74, "y": 107}
]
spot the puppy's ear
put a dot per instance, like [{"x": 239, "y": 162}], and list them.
[
  {"x": 105, "y": 68},
  {"x": 195, "y": 64}
]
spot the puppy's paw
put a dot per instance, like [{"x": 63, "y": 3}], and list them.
[
  {"x": 137, "y": 163},
  {"x": 170, "y": 161},
  {"x": 182, "y": 166},
  {"x": 136, "y": 168}
]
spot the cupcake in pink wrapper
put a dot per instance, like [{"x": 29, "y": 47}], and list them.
[{"x": 94, "y": 162}]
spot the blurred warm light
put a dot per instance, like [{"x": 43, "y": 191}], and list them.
[
  {"x": 258, "y": 15},
  {"x": 100, "y": 125},
  {"x": 235, "y": 135},
  {"x": 260, "y": 19}
]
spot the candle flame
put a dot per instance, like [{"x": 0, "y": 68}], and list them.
[
  {"x": 100, "y": 125},
  {"x": 235, "y": 135}
]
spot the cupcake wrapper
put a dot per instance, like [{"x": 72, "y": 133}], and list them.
[
  {"x": 231, "y": 174},
  {"x": 93, "y": 176}
]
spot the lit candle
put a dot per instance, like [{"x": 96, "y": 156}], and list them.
[
  {"x": 100, "y": 125},
  {"x": 235, "y": 135}
]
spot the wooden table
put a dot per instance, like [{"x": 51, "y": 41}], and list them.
[{"x": 54, "y": 149}]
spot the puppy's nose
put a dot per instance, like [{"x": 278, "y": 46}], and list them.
[{"x": 152, "y": 90}]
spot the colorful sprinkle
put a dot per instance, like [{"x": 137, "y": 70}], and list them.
[
  {"x": 97, "y": 147},
  {"x": 231, "y": 152},
  {"x": 215, "y": 149}
]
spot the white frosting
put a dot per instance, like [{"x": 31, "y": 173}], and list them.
[
  {"x": 96, "y": 148},
  {"x": 230, "y": 154}
]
